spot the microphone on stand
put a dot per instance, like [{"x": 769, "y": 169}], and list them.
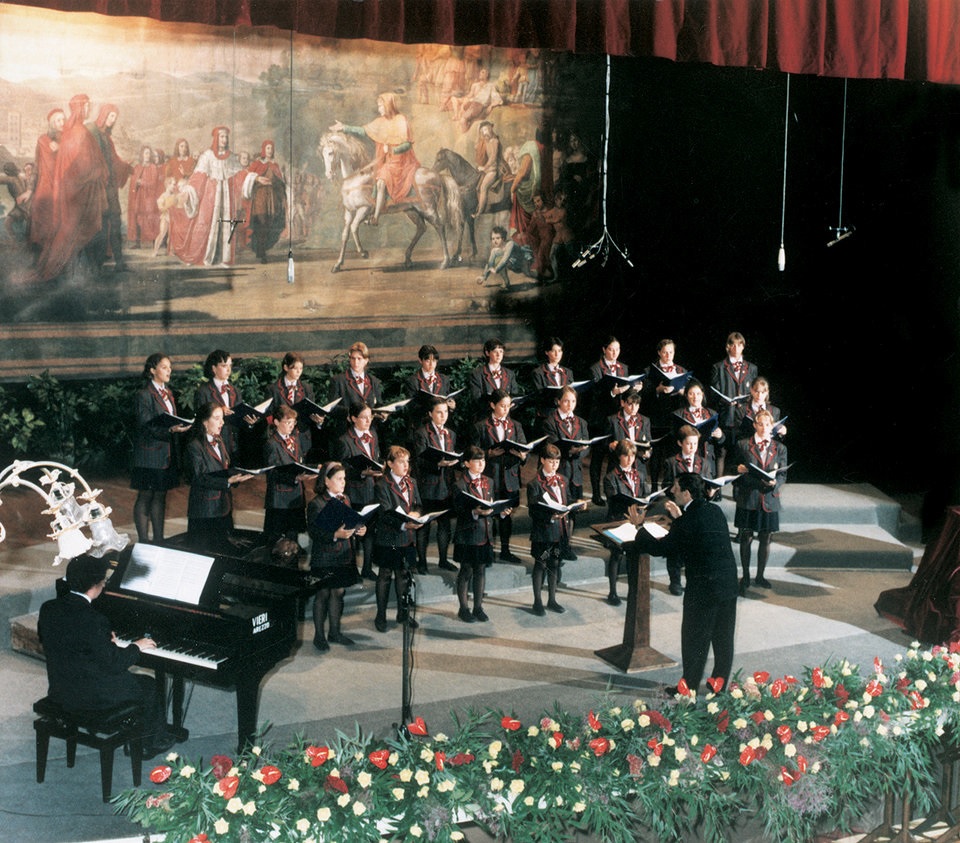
[{"x": 233, "y": 226}]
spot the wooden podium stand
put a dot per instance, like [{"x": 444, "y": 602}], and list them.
[{"x": 635, "y": 653}]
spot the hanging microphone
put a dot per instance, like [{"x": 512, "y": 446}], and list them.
[{"x": 840, "y": 234}]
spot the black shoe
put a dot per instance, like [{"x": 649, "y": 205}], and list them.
[
  {"x": 676, "y": 589},
  {"x": 598, "y": 500},
  {"x": 465, "y": 616},
  {"x": 447, "y": 566},
  {"x": 340, "y": 638},
  {"x": 554, "y": 606},
  {"x": 763, "y": 582},
  {"x": 671, "y": 691},
  {"x": 422, "y": 568},
  {"x": 568, "y": 554},
  {"x": 368, "y": 574},
  {"x": 380, "y": 624},
  {"x": 402, "y": 618},
  {"x": 744, "y": 585},
  {"x": 538, "y": 610},
  {"x": 157, "y": 745},
  {"x": 480, "y": 615},
  {"x": 320, "y": 643},
  {"x": 512, "y": 558},
  {"x": 614, "y": 600}
]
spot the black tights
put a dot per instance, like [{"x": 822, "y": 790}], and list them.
[
  {"x": 327, "y": 604},
  {"x": 150, "y": 510},
  {"x": 443, "y": 539},
  {"x": 400, "y": 583},
  {"x": 478, "y": 574},
  {"x": 745, "y": 537},
  {"x": 552, "y": 573}
]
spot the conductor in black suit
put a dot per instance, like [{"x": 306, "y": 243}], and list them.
[
  {"x": 701, "y": 538},
  {"x": 86, "y": 669}
]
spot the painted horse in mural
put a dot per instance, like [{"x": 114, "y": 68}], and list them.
[
  {"x": 467, "y": 178},
  {"x": 436, "y": 198}
]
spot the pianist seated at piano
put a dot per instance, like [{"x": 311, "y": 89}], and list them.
[
  {"x": 87, "y": 670},
  {"x": 210, "y": 504},
  {"x": 333, "y": 556}
]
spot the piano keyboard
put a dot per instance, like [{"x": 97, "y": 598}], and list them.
[{"x": 183, "y": 655}]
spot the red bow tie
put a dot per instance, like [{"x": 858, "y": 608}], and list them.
[
  {"x": 366, "y": 438},
  {"x": 553, "y": 480},
  {"x": 225, "y": 388}
]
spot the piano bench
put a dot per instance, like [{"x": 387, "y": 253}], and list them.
[{"x": 102, "y": 729}]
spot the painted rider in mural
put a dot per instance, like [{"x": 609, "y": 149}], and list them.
[
  {"x": 210, "y": 203},
  {"x": 395, "y": 164},
  {"x": 489, "y": 158}
]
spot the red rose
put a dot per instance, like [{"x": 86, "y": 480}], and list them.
[
  {"x": 462, "y": 758},
  {"x": 158, "y": 775},
  {"x": 817, "y": 677},
  {"x": 317, "y": 755},
  {"x": 418, "y": 727},
  {"x": 379, "y": 758},
  {"x": 801, "y": 763},
  {"x": 511, "y": 724},
  {"x": 221, "y": 765},
  {"x": 784, "y": 733},
  {"x": 199, "y": 838},
  {"x": 683, "y": 688},
  {"x": 761, "y": 677},
  {"x": 748, "y": 756},
  {"x": 723, "y": 721},
  {"x": 600, "y": 746},
  {"x": 557, "y": 739},
  {"x": 227, "y": 786},
  {"x": 270, "y": 774},
  {"x": 594, "y": 722},
  {"x": 955, "y": 646},
  {"x": 757, "y": 717},
  {"x": 820, "y": 732},
  {"x": 440, "y": 758},
  {"x": 874, "y": 688},
  {"x": 715, "y": 683},
  {"x": 842, "y": 693},
  {"x": 916, "y": 700},
  {"x": 778, "y": 687},
  {"x": 878, "y": 665},
  {"x": 840, "y": 717},
  {"x": 787, "y": 776},
  {"x": 335, "y": 783},
  {"x": 708, "y": 752},
  {"x": 659, "y": 720}
]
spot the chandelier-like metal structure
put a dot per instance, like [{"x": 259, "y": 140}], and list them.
[{"x": 81, "y": 523}]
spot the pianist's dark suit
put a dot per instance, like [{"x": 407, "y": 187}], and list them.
[{"x": 86, "y": 670}]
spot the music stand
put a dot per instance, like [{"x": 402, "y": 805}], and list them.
[{"x": 634, "y": 653}]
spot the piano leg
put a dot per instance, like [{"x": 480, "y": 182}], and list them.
[
  {"x": 248, "y": 696},
  {"x": 176, "y": 701}
]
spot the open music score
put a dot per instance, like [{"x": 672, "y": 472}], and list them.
[{"x": 166, "y": 573}]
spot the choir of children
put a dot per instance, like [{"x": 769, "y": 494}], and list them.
[{"x": 462, "y": 471}]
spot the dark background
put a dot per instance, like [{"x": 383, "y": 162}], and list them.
[{"x": 858, "y": 340}]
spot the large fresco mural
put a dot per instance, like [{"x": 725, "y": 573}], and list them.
[{"x": 184, "y": 187}]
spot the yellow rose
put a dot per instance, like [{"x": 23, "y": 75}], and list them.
[
  {"x": 364, "y": 779},
  {"x": 494, "y": 748},
  {"x": 250, "y": 809},
  {"x": 343, "y": 800},
  {"x": 235, "y": 805},
  {"x": 323, "y": 814},
  {"x": 415, "y": 831},
  {"x": 422, "y": 777},
  {"x": 517, "y": 786},
  {"x": 359, "y": 808},
  {"x": 303, "y": 825},
  {"x": 187, "y": 771},
  {"x": 221, "y": 826},
  {"x": 496, "y": 785},
  {"x": 398, "y": 793},
  {"x": 406, "y": 774}
]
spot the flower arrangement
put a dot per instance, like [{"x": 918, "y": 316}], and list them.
[{"x": 802, "y": 753}]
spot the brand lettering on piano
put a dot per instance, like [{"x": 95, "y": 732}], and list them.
[{"x": 260, "y": 622}]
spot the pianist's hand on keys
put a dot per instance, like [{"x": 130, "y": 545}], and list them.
[{"x": 146, "y": 643}]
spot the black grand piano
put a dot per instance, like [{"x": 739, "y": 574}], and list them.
[{"x": 216, "y": 619}]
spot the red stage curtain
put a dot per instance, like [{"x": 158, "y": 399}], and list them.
[{"x": 897, "y": 39}]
